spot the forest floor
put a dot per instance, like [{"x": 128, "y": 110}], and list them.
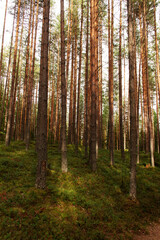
[
  {"x": 77, "y": 205},
  {"x": 153, "y": 233}
]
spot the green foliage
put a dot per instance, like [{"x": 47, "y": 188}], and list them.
[{"x": 76, "y": 205}]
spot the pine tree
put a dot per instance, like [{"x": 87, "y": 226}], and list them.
[
  {"x": 63, "y": 93},
  {"x": 42, "y": 104}
]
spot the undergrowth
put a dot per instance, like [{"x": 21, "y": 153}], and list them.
[{"x": 77, "y": 205}]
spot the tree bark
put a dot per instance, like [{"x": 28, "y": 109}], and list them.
[
  {"x": 25, "y": 89},
  {"x": 6, "y": 91},
  {"x": 132, "y": 90},
  {"x": 150, "y": 122},
  {"x": 158, "y": 77},
  {"x": 100, "y": 131},
  {"x": 75, "y": 84},
  {"x": 93, "y": 91},
  {"x": 42, "y": 104},
  {"x": 111, "y": 134},
  {"x": 120, "y": 85},
  {"x": 31, "y": 75},
  {"x": 10, "y": 114},
  {"x": 1, "y": 59},
  {"x": 64, "y": 166},
  {"x": 86, "y": 127},
  {"x": 57, "y": 97},
  {"x": 70, "y": 129},
  {"x": 79, "y": 83}
]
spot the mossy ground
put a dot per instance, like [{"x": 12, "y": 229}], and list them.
[{"x": 78, "y": 205}]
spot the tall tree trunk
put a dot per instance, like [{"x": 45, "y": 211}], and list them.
[
  {"x": 86, "y": 88},
  {"x": 157, "y": 111},
  {"x": 156, "y": 47},
  {"x": 124, "y": 112},
  {"x": 6, "y": 91},
  {"x": 150, "y": 123},
  {"x": 96, "y": 72},
  {"x": 138, "y": 93},
  {"x": 75, "y": 84},
  {"x": 35, "y": 109},
  {"x": 30, "y": 84},
  {"x": 10, "y": 115},
  {"x": 144, "y": 80},
  {"x": 93, "y": 91},
  {"x": 111, "y": 134},
  {"x": 57, "y": 97},
  {"x": 25, "y": 89},
  {"x": 79, "y": 82},
  {"x": 135, "y": 83},
  {"x": 1, "y": 59},
  {"x": 132, "y": 90},
  {"x": 63, "y": 93},
  {"x": 18, "y": 109},
  {"x": 52, "y": 98},
  {"x": 70, "y": 19},
  {"x": 100, "y": 132},
  {"x": 158, "y": 77},
  {"x": 120, "y": 85},
  {"x": 17, "y": 72},
  {"x": 142, "y": 114},
  {"x": 70, "y": 129},
  {"x": 42, "y": 104},
  {"x": 31, "y": 75}
]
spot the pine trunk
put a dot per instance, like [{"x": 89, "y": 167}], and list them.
[
  {"x": 79, "y": 83},
  {"x": 63, "y": 93},
  {"x": 86, "y": 89},
  {"x": 70, "y": 129},
  {"x": 75, "y": 85},
  {"x": 10, "y": 113},
  {"x": 120, "y": 85},
  {"x": 111, "y": 134},
  {"x": 2, "y": 46},
  {"x": 25, "y": 89},
  {"x": 93, "y": 91},
  {"x": 31, "y": 75},
  {"x": 42, "y": 104},
  {"x": 132, "y": 90}
]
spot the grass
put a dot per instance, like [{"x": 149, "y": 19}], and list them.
[{"x": 77, "y": 205}]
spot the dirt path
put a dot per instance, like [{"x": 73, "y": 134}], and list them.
[{"x": 153, "y": 233}]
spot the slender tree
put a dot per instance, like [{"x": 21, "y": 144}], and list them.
[
  {"x": 63, "y": 94},
  {"x": 120, "y": 85},
  {"x": 124, "y": 111},
  {"x": 6, "y": 90},
  {"x": 25, "y": 89},
  {"x": 70, "y": 129},
  {"x": 110, "y": 42},
  {"x": 31, "y": 74},
  {"x": 79, "y": 82},
  {"x": 100, "y": 67},
  {"x": 158, "y": 75},
  {"x": 75, "y": 81},
  {"x": 57, "y": 98},
  {"x": 86, "y": 88},
  {"x": 52, "y": 98},
  {"x": 2, "y": 46},
  {"x": 70, "y": 21},
  {"x": 150, "y": 122},
  {"x": 42, "y": 104},
  {"x": 10, "y": 114},
  {"x": 93, "y": 91},
  {"x": 133, "y": 133}
]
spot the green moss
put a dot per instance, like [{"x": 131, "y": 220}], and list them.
[{"x": 76, "y": 205}]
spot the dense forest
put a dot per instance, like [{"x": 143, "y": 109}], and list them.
[{"x": 80, "y": 87}]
